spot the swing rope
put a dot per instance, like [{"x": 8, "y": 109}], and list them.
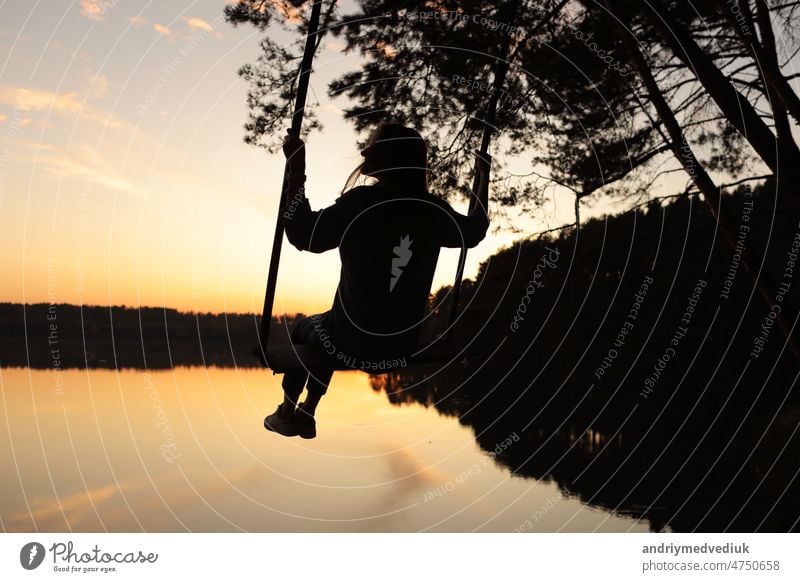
[
  {"x": 297, "y": 122},
  {"x": 491, "y": 113}
]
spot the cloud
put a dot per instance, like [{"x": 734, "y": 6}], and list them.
[
  {"x": 26, "y": 99},
  {"x": 96, "y": 9},
  {"x": 161, "y": 29},
  {"x": 101, "y": 86},
  {"x": 3, "y": 117},
  {"x": 82, "y": 163},
  {"x": 335, "y": 45},
  {"x": 26, "y": 121},
  {"x": 50, "y": 513},
  {"x": 57, "y": 48},
  {"x": 98, "y": 84},
  {"x": 332, "y": 108},
  {"x": 29, "y": 99},
  {"x": 199, "y": 24},
  {"x": 137, "y": 21}
]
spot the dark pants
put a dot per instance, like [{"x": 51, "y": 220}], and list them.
[{"x": 304, "y": 332}]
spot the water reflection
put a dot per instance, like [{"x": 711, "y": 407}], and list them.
[
  {"x": 673, "y": 464},
  {"x": 185, "y": 449}
]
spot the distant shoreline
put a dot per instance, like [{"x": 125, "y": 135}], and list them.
[{"x": 63, "y": 336}]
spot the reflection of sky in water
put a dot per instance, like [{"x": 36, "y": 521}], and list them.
[{"x": 100, "y": 457}]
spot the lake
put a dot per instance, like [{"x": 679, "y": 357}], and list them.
[{"x": 185, "y": 450}]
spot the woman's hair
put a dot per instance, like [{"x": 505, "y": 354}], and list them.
[{"x": 405, "y": 154}]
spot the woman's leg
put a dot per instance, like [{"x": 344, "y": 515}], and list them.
[
  {"x": 293, "y": 383},
  {"x": 303, "y": 332},
  {"x": 317, "y": 387}
]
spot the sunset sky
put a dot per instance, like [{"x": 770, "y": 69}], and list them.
[{"x": 124, "y": 179}]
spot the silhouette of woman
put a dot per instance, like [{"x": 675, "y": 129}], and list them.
[{"x": 389, "y": 235}]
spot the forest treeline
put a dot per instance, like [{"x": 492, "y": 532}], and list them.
[
  {"x": 62, "y": 336},
  {"x": 641, "y": 302}
]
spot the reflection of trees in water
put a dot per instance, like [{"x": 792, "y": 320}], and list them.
[
  {"x": 726, "y": 484},
  {"x": 396, "y": 388},
  {"x": 419, "y": 386}
]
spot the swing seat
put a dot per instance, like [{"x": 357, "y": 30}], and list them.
[{"x": 283, "y": 357}]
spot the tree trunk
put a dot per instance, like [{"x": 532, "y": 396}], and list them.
[
  {"x": 769, "y": 68},
  {"x": 779, "y": 114},
  {"x": 781, "y": 157},
  {"x": 683, "y": 152}
]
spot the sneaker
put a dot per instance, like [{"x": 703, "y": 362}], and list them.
[
  {"x": 305, "y": 423},
  {"x": 282, "y": 421}
]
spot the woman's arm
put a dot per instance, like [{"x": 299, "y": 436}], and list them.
[
  {"x": 471, "y": 229},
  {"x": 308, "y": 230},
  {"x": 482, "y": 167}
]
